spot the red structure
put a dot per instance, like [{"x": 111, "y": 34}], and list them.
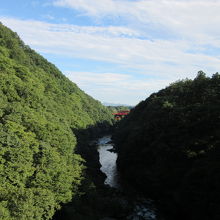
[{"x": 121, "y": 114}]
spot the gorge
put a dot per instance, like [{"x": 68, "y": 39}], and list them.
[
  {"x": 142, "y": 208},
  {"x": 60, "y": 149}
]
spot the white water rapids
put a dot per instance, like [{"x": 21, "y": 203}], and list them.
[{"x": 108, "y": 161}]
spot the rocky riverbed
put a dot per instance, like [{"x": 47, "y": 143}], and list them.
[{"x": 143, "y": 209}]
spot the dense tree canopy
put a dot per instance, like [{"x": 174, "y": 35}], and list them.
[
  {"x": 115, "y": 109},
  {"x": 39, "y": 111},
  {"x": 169, "y": 148}
]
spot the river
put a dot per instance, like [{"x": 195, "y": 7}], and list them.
[
  {"x": 107, "y": 160},
  {"x": 143, "y": 208}
]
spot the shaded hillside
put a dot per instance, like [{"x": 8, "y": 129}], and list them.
[
  {"x": 169, "y": 148},
  {"x": 40, "y": 109}
]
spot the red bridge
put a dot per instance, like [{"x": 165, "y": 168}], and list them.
[{"x": 121, "y": 114}]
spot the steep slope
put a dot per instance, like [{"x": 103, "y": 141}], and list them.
[
  {"x": 40, "y": 109},
  {"x": 169, "y": 148}
]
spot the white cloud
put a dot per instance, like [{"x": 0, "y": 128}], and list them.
[
  {"x": 162, "y": 57},
  {"x": 111, "y": 86},
  {"x": 91, "y": 7},
  {"x": 194, "y": 19},
  {"x": 166, "y": 59},
  {"x": 104, "y": 79},
  {"x": 48, "y": 16}
]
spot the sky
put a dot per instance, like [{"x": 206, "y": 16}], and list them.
[{"x": 120, "y": 51}]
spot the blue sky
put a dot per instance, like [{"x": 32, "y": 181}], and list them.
[{"x": 120, "y": 51}]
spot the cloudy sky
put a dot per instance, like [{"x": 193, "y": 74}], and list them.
[{"x": 120, "y": 51}]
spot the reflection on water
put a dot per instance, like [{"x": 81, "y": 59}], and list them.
[
  {"x": 143, "y": 208},
  {"x": 108, "y": 161}
]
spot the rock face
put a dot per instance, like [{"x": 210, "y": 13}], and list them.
[
  {"x": 143, "y": 210},
  {"x": 169, "y": 148}
]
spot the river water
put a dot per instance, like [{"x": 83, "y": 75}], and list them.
[
  {"x": 107, "y": 160},
  {"x": 143, "y": 208}
]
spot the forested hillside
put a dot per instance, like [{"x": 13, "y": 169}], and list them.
[
  {"x": 169, "y": 148},
  {"x": 119, "y": 108},
  {"x": 40, "y": 110}
]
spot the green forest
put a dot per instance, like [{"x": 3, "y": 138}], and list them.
[
  {"x": 115, "y": 109},
  {"x": 40, "y": 114},
  {"x": 168, "y": 145},
  {"x": 169, "y": 148}
]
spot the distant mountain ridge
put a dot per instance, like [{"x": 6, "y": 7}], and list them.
[{"x": 115, "y": 104}]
